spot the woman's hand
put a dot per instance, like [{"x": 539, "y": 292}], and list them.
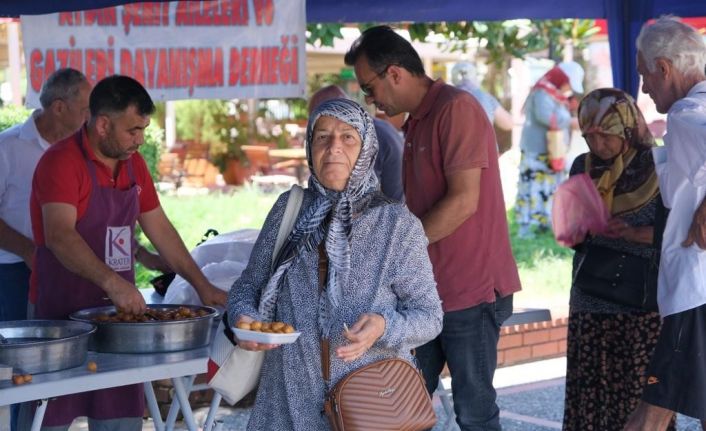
[
  {"x": 251, "y": 345},
  {"x": 362, "y": 335}
]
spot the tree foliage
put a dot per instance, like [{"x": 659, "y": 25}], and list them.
[{"x": 499, "y": 39}]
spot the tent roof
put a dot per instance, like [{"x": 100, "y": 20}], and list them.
[{"x": 625, "y": 17}]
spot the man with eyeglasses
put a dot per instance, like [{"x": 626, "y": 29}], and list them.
[{"x": 452, "y": 183}]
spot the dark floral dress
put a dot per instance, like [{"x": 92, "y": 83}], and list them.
[{"x": 609, "y": 345}]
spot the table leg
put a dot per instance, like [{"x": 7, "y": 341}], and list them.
[
  {"x": 153, "y": 407},
  {"x": 215, "y": 402},
  {"x": 174, "y": 408},
  {"x": 39, "y": 415},
  {"x": 182, "y": 393}
]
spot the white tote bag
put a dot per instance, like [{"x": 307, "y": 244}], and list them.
[{"x": 234, "y": 372}]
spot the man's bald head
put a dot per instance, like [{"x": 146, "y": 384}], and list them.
[{"x": 327, "y": 93}]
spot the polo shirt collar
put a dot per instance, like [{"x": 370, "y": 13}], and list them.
[
  {"x": 29, "y": 132},
  {"x": 428, "y": 100}
]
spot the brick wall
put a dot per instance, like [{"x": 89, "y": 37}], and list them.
[
  {"x": 532, "y": 342},
  {"x": 518, "y": 344}
]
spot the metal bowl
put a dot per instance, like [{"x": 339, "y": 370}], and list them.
[
  {"x": 148, "y": 337},
  {"x": 41, "y": 346}
]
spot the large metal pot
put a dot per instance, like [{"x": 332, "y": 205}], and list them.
[
  {"x": 40, "y": 346},
  {"x": 148, "y": 337}
]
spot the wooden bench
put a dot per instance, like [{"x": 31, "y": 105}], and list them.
[
  {"x": 260, "y": 160},
  {"x": 199, "y": 172}
]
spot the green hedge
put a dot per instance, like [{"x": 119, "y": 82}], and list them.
[{"x": 12, "y": 114}]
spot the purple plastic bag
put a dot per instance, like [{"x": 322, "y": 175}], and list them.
[{"x": 577, "y": 210}]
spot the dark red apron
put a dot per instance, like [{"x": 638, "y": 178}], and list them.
[{"x": 108, "y": 229}]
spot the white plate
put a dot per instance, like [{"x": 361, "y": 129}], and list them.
[{"x": 266, "y": 337}]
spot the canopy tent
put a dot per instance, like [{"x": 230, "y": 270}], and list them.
[{"x": 625, "y": 17}]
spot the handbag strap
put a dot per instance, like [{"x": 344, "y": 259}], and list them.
[
  {"x": 294, "y": 203},
  {"x": 323, "y": 275}
]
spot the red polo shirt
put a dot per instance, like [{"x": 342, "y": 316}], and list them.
[
  {"x": 62, "y": 176},
  {"x": 449, "y": 132}
]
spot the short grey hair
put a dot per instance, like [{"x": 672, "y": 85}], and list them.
[
  {"x": 671, "y": 39},
  {"x": 63, "y": 84}
]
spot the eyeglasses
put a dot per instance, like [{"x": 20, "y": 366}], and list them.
[{"x": 365, "y": 88}]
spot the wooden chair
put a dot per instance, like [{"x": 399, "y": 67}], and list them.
[{"x": 170, "y": 169}]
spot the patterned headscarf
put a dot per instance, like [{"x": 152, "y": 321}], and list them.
[
  {"x": 613, "y": 112},
  {"x": 329, "y": 216}
]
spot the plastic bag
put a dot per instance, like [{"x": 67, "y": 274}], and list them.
[
  {"x": 221, "y": 259},
  {"x": 577, "y": 210},
  {"x": 220, "y": 274}
]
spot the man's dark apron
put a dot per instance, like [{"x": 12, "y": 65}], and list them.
[{"x": 108, "y": 229}]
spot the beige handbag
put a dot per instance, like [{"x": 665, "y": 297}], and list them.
[{"x": 234, "y": 372}]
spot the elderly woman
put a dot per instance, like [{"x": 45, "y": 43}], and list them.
[
  {"x": 380, "y": 282},
  {"x": 547, "y": 108},
  {"x": 610, "y": 344}
]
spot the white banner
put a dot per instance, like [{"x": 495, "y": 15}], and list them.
[{"x": 221, "y": 49}]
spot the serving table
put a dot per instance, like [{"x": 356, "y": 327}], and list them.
[
  {"x": 118, "y": 369},
  {"x": 114, "y": 370}
]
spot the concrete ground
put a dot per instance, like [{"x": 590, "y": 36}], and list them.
[{"x": 530, "y": 397}]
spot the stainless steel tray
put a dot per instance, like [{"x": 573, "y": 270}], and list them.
[
  {"x": 40, "y": 346},
  {"x": 148, "y": 337}
]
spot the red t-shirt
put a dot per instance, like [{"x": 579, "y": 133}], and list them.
[
  {"x": 62, "y": 176},
  {"x": 449, "y": 132}
]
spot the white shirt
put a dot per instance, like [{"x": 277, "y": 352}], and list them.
[
  {"x": 681, "y": 167},
  {"x": 20, "y": 150}
]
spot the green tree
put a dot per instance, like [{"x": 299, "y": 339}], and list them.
[
  {"x": 152, "y": 149},
  {"x": 197, "y": 120},
  {"x": 500, "y": 41}
]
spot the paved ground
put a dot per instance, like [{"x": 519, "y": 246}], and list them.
[{"x": 530, "y": 396}]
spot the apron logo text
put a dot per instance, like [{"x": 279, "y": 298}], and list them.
[{"x": 118, "y": 248}]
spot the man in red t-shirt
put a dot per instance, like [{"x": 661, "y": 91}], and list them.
[
  {"x": 88, "y": 192},
  {"x": 452, "y": 183}
]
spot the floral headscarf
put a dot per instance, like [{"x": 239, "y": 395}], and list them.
[
  {"x": 314, "y": 225},
  {"x": 629, "y": 181},
  {"x": 614, "y": 112}
]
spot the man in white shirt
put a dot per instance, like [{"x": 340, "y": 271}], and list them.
[
  {"x": 64, "y": 100},
  {"x": 671, "y": 59}
]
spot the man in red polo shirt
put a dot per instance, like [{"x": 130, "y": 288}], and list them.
[
  {"x": 87, "y": 193},
  {"x": 452, "y": 183}
]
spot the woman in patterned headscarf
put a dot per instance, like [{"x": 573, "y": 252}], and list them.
[
  {"x": 609, "y": 344},
  {"x": 379, "y": 280}
]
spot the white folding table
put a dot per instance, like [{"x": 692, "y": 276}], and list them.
[{"x": 116, "y": 370}]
